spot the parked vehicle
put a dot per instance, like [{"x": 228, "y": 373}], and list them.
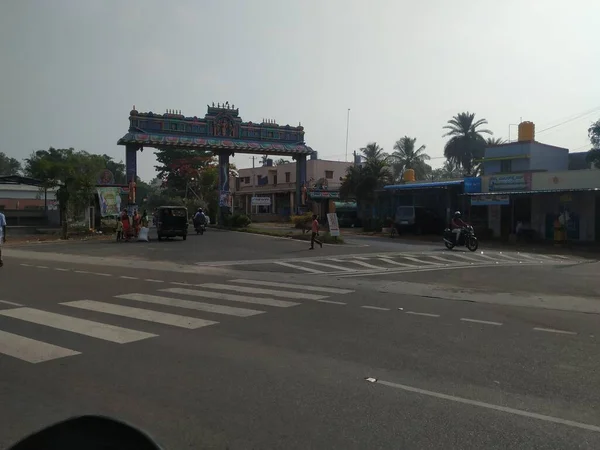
[
  {"x": 467, "y": 239},
  {"x": 417, "y": 219},
  {"x": 172, "y": 221}
]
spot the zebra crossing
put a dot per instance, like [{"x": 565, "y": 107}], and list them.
[
  {"x": 394, "y": 262},
  {"x": 138, "y": 306}
]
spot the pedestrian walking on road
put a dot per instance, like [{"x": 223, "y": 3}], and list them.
[
  {"x": 315, "y": 233},
  {"x": 2, "y": 235}
]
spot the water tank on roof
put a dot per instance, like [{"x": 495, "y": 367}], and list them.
[
  {"x": 269, "y": 163},
  {"x": 409, "y": 175},
  {"x": 526, "y": 132},
  {"x": 314, "y": 155}
]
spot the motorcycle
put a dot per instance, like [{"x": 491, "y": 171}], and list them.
[
  {"x": 90, "y": 433},
  {"x": 200, "y": 228},
  {"x": 467, "y": 239}
]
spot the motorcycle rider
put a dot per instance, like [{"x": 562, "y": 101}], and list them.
[
  {"x": 457, "y": 225},
  {"x": 199, "y": 218}
]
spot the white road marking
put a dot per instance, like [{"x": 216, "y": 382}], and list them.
[
  {"x": 364, "y": 264},
  {"x": 41, "y": 267},
  {"x": 509, "y": 257},
  {"x": 198, "y": 306},
  {"x": 410, "y": 258},
  {"x": 375, "y": 307},
  {"x": 485, "y": 322},
  {"x": 75, "y": 325},
  {"x": 232, "y": 297},
  {"x": 329, "y": 290},
  {"x": 466, "y": 257},
  {"x": 550, "y": 330},
  {"x": 141, "y": 314},
  {"x": 60, "y": 269},
  {"x": 10, "y": 303},
  {"x": 331, "y": 266},
  {"x": 396, "y": 263},
  {"x": 178, "y": 283},
  {"x": 306, "y": 269},
  {"x": 31, "y": 350},
  {"x": 505, "y": 409},
  {"x": 530, "y": 257},
  {"x": 332, "y": 302},
  {"x": 414, "y": 313},
  {"x": 128, "y": 278},
  {"x": 153, "y": 281},
  {"x": 481, "y": 255},
  {"x": 253, "y": 290},
  {"x": 26, "y": 265},
  {"x": 439, "y": 258}
]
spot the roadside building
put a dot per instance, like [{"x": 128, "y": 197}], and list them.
[
  {"x": 267, "y": 192},
  {"x": 25, "y": 203},
  {"x": 528, "y": 186}
]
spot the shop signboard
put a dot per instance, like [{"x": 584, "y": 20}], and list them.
[
  {"x": 110, "y": 200},
  {"x": 513, "y": 182},
  {"x": 225, "y": 199},
  {"x": 261, "y": 201},
  {"x": 472, "y": 185},
  {"x": 490, "y": 200},
  {"x": 334, "y": 227},
  {"x": 319, "y": 194}
]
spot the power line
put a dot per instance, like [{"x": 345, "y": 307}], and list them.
[{"x": 579, "y": 116}]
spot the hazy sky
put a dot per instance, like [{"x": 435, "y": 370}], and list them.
[{"x": 70, "y": 71}]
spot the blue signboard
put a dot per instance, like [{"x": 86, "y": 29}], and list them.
[
  {"x": 472, "y": 185},
  {"x": 489, "y": 200}
]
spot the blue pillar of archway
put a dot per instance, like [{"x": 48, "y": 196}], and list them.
[
  {"x": 224, "y": 193},
  {"x": 131, "y": 162},
  {"x": 301, "y": 186}
]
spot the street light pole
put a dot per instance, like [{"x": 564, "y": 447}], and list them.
[{"x": 347, "y": 130}]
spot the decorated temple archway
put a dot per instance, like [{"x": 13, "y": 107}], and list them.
[{"x": 220, "y": 132}]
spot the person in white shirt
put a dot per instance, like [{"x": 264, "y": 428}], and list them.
[{"x": 2, "y": 235}]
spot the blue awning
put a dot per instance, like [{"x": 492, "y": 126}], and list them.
[{"x": 434, "y": 184}]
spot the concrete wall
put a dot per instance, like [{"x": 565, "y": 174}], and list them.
[{"x": 548, "y": 157}]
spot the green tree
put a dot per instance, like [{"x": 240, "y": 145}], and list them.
[
  {"x": 117, "y": 169},
  {"x": 494, "y": 142},
  {"x": 361, "y": 181},
  {"x": 8, "y": 165},
  {"x": 407, "y": 156},
  {"x": 176, "y": 166},
  {"x": 73, "y": 172},
  {"x": 593, "y": 155},
  {"x": 466, "y": 143},
  {"x": 449, "y": 171}
]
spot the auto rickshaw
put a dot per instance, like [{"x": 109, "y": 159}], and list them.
[{"x": 171, "y": 221}]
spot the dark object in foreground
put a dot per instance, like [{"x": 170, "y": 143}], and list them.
[
  {"x": 90, "y": 433},
  {"x": 171, "y": 221}
]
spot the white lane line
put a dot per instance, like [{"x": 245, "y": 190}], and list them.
[
  {"x": 41, "y": 267},
  {"x": 331, "y": 302},
  {"x": 31, "y": 350},
  {"x": 550, "y": 330},
  {"x": 364, "y": 264},
  {"x": 485, "y": 322},
  {"x": 481, "y": 255},
  {"x": 10, "y": 303},
  {"x": 329, "y": 290},
  {"x": 396, "y": 263},
  {"x": 444, "y": 260},
  {"x": 375, "y": 307},
  {"x": 414, "y": 313},
  {"x": 253, "y": 290},
  {"x": 306, "y": 269},
  {"x": 479, "y": 404},
  {"x": 529, "y": 257},
  {"x": 60, "y": 269},
  {"x": 179, "y": 283},
  {"x": 417, "y": 260},
  {"x": 331, "y": 266},
  {"x": 232, "y": 297},
  {"x": 125, "y": 277},
  {"x": 26, "y": 265},
  {"x": 468, "y": 258},
  {"x": 150, "y": 280},
  {"x": 75, "y": 325},
  {"x": 141, "y": 314},
  {"x": 509, "y": 257},
  {"x": 560, "y": 256},
  {"x": 198, "y": 306}
]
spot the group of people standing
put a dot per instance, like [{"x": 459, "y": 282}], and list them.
[{"x": 129, "y": 226}]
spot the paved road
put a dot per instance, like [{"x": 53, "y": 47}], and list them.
[{"x": 209, "y": 357}]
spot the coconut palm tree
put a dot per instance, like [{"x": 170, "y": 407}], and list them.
[
  {"x": 406, "y": 156},
  {"x": 374, "y": 152},
  {"x": 493, "y": 142},
  {"x": 466, "y": 142}
]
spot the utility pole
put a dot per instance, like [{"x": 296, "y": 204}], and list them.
[
  {"x": 253, "y": 184},
  {"x": 347, "y": 130}
]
